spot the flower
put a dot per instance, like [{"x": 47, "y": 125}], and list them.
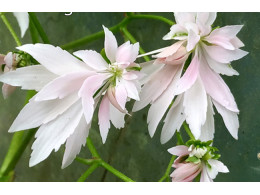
[
  {"x": 69, "y": 91},
  {"x": 200, "y": 86},
  {"x": 195, "y": 160},
  {"x": 23, "y": 21},
  {"x": 10, "y": 61}
]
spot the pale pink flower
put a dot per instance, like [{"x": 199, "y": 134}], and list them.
[
  {"x": 194, "y": 161},
  {"x": 10, "y": 61},
  {"x": 69, "y": 91},
  {"x": 200, "y": 85}
]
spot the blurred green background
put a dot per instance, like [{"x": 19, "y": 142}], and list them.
[{"x": 131, "y": 150}]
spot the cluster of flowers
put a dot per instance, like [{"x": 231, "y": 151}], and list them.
[{"x": 183, "y": 83}]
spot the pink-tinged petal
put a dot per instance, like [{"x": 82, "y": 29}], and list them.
[
  {"x": 159, "y": 107},
  {"x": 117, "y": 117},
  {"x": 53, "y": 134},
  {"x": 189, "y": 77},
  {"x": 237, "y": 43},
  {"x": 86, "y": 92},
  {"x": 174, "y": 31},
  {"x": 110, "y": 45},
  {"x": 132, "y": 89},
  {"x": 179, "y": 150},
  {"x": 30, "y": 77},
  {"x": 177, "y": 58},
  {"x": 228, "y": 32},
  {"x": 92, "y": 59},
  {"x": 75, "y": 142},
  {"x": 173, "y": 120},
  {"x": 112, "y": 99},
  {"x": 216, "y": 87},
  {"x": 103, "y": 118},
  {"x": 204, "y": 174},
  {"x": 63, "y": 86},
  {"x": 168, "y": 51},
  {"x": 187, "y": 172},
  {"x": 127, "y": 53},
  {"x": 195, "y": 107},
  {"x": 223, "y": 55},
  {"x": 9, "y": 59},
  {"x": 220, "y": 68},
  {"x": 23, "y": 21},
  {"x": 35, "y": 114},
  {"x": 184, "y": 17},
  {"x": 230, "y": 119},
  {"x": 208, "y": 129},
  {"x": 55, "y": 59},
  {"x": 7, "y": 90}
]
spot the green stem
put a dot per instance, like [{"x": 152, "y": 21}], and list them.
[
  {"x": 90, "y": 170},
  {"x": 133, "y": 40},
  {"x": 154, "y": 17},
  {"x": 39, "y": 28},
  {"x": 168, "y": 170},
  {"x": 114, "y": 29},
  {"x": 92, "y": 148},
  {"x": 8, "y": 25},
  {"x": 188, "y": 131},
  {"x": 34, "y": 34},
  {"x": 115, "y": 172}
]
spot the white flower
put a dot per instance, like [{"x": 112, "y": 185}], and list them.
[
  {"x": 23, "y": 21},
  {"x": 69, "y": 91}
]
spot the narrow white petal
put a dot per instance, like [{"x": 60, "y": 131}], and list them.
[
  {"x": 30, "y": 77},
  {"x": 110, "y": 45},
  {"x": 173, "y": 120},
  {"x": 208, "y": 129},
  {"x": 75, "y": 142},
  {"x": 121, "y": 95},
  {"x": 35, "y": 113},
  {"x": 184, "y": 17},
  {"x": 54, "y": 59},
  {"x": 132, "y": 89},
  {"x": 216, "y": 166},
  {"x": 230, "y": 119},
  {"x": 92, "y": 58},
  {"x": 53, "y": 134},
  {"x": 204, "y": 174},
  {"x": 23, "y": 21},
  {"x": 195, "y": 107},
  {"x": 117, "y": 117},
  {"x": 103, "y": 118}
]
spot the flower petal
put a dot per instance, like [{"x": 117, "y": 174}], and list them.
[
  {"x": 186, "y": 172},
  {"x": 204, "y": 174},
  {"x": 127, "y": 53},
  {"x": 53, "y": 134},
  {"x": 195, "y": 107},
  {"x": 103, "y": 118},
  {"x": 168, "y": 51},
  {"x": 184, "y": 17},
  {"x": 86, "y": 92},
  {"x": 75, "y": 141},
  {"x": 230, "y": 119},
  {"x": 177, "y": 32},
  {"x": 208, "y": 129},
  {"x": 23, "y": 21},
  {"x": 193, "y": 38},
  {"x": 132, "y": 89},
  {"x": 179, "y": 150},
  {"x": 173, "y": 120},
  {"x": 31, "y": 77},
  {"x": 216, "y": 87},
  {"x": 35, "y": 113},
  {"x": 223, "y": 55},
  {"x": 189, "y": 77},
  {"x": 110, "y": 45},
  {"x": 93, "y": 59},
  {"x": 63, "y": 86},
  {"x": 117, "y": 117},
  {"x": 55, "y": 59},
  {"x": 216, "y": 166}
]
